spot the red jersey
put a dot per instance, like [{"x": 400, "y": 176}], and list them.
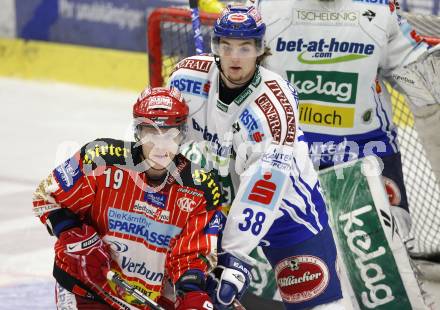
[{"x": 153, "y": 235}]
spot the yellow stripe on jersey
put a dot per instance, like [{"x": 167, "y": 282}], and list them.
[{"x": 97, "y": 67}]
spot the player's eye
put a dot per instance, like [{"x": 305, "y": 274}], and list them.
[
  {"x": 244, "y": 50},
  {"x": 225, "y": 49}
]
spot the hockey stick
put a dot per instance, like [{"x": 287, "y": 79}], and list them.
[
  {"x": 110, "y": 299},
  {"x": 132, "y": 291},
  {"x": 195, "y": 18},
  {"x": 236, "y": 305}
]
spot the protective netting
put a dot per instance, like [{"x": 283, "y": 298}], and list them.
[
  {"x": 171, "y": 39},
  {"x": 422, "y": 188},
  {"x": 172, "y": 30}
]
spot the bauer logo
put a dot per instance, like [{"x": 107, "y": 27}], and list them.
[
  {"x": 191, "y": 85},
  {"x": 301, "y": 278},
  {"x": 327, "y": 86},
  {"x": 83, "y": 245},
  {"x": 325, "y": 51},
  {"x": 68, "y": 173},
  {"x": 329, "y": 116},
  {"x": 190, "y": 191}
]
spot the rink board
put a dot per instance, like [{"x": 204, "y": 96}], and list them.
[{"x": 73, "y": 64}]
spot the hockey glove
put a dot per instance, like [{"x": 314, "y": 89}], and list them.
[
  {"x": 197, "y": 300},
  {"x": 190, "y": 292},
  {"x": 83, "y": 251},
  {"x": 229, "y": 280}
]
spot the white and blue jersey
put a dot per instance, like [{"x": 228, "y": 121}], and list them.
[
  {"x": 337, "y": 55},
  {"x": 256, "y": 138}
]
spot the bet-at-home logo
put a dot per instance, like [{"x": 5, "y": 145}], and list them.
[
  {"x": 327, "y": 86},
  {"x": 324, "y": 51}
]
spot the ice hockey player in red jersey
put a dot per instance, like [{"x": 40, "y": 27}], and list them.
[{"x": 138, "y": 209}]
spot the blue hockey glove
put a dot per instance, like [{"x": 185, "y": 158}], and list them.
[{"x": 229, "y": 280}]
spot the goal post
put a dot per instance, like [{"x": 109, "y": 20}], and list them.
[{"x": 170, "y": 39}]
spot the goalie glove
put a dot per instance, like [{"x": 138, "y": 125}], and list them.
[
  {"x": 229, "y": 280},
  {"x": 420, "y": 80}
]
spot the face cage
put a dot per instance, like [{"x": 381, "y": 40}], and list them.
[{"x": 215, "y": 45}]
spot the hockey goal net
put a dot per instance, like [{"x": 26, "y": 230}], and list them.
[{"x": 170, "y": 39}]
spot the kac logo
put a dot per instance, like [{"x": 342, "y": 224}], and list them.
[{"x": 186, "y": 204}]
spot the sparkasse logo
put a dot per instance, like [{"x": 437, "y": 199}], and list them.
[{"x": 325, "y": 51}]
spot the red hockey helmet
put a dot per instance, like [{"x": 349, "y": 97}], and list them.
[{"x": 163, "y": 107}]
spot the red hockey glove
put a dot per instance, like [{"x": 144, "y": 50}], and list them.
[
  {"x": 196, "y": 300},
  {"x": 85, "y": 254}
]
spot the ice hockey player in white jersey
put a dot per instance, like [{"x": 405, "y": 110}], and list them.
[
  {"x": 247, "y": 120},
  {"x": 338, "y": 53}
]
